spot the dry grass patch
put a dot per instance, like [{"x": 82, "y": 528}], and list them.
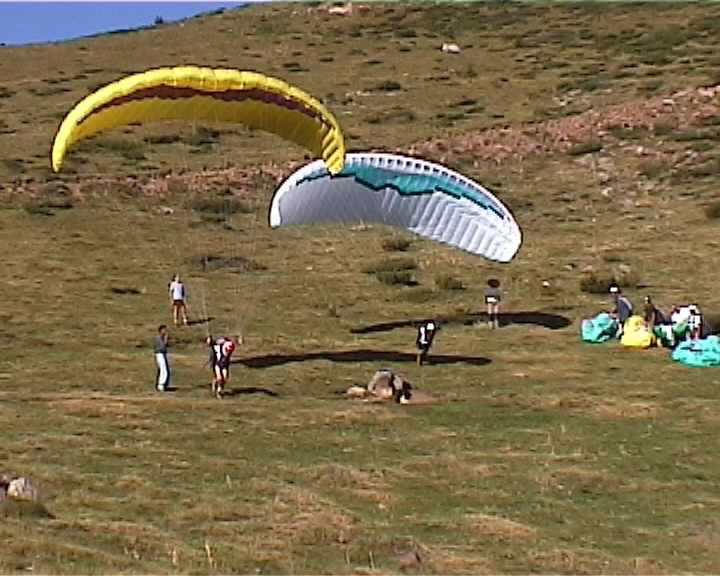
[
  {"x": 373, "y": 486},
  {"x": 304, "y": 518},
  {"x": 619, "y": 409},
  {"x": 498, "y": 527}
]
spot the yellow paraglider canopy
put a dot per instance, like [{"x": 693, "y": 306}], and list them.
[{"x": 209, "y": 94}]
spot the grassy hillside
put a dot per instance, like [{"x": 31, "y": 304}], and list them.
[{"x": 541, "y": 455}]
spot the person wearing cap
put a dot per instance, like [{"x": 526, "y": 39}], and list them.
[{"x": 623, "y": 307}]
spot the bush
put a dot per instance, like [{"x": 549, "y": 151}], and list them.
[
  {"x": 585, "y": 148},
  {"x": 391, "y": 265},
  {"x": 203, "y": 136},
  {"x": 210, "y": 262},
  {"x": 47, "y": 208},
  {"x": 599, "y": 283},
  {"x": 395, "y": 278},
  {"x": 388, "y": 86},
  {"x": 396, "y": 244},
  {"x": 712, "y": 211},
  {"x": 653, "y": 168},
  {"x": 448, "y": 282},
  {"x": 220, "y": 206},
  {"x": 163, "y": 139}
]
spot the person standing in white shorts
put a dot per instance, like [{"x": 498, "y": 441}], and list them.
[{"x": 178, "y": 300}]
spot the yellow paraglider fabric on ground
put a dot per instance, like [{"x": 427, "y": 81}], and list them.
[
  {"x": 206, "y": 94},
  {"x": 636, "y": 333}
]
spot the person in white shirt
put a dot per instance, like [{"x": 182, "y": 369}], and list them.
[{"x": 178, "y": 300}]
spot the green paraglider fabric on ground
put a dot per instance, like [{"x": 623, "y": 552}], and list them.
[
  {"x": 702, "y": 353},
  {"x": 599, "y": 329}
]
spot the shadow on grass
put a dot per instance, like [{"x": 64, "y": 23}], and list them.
[
  {"x": 551, "y": 321},
  {"x": 356, "y": 356},
  {"x": 199, "y": 321},
  {"x": 249, "y": 390}
]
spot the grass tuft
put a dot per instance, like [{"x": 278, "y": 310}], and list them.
[
  {"x": 712, "y": 211},
  {"x": 448, "y": 282},
  {"x": 396, "y": 244}
]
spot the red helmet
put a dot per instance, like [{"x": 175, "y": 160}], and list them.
[{"x": 228, "y": 347}]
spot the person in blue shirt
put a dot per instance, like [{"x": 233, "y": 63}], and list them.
[{"x": 623, "y": 308}]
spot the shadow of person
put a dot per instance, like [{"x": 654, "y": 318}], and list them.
[
  {"x": 387, "y": 356},
  {"x": 551, "y": 321},
  {"x": 249, "y": 390},
  {"x": 198, "y": 321}
]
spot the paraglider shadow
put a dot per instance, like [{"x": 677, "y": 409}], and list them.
[
  {"x": 199, "y": 321},
  {"x": 249, "y": 390},
  {"x": 551, "y": 321},
  {"x": 357, "y": 356}
]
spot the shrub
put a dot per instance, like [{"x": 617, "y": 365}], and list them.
[
  {"x": 396, "y": 278},
  {"x": 220, "y": 206},
  {"x": 388, "y": 86},
  {"x": 391, "y": 265},
  {"x": 163, "y": 139},
  {"x": 712, "y": 211},
  {"x": 599, "y": 282},
  {"x": 653, "y": 168},
  {"x": 448, "y": 282},
  {"x": 210, "y": 262},
  {"x": 47, "y": 208},
  {"x": 396, "y": 244},
  {"x": 582, "y": 148},
  {"x": 203, "y": 136}
]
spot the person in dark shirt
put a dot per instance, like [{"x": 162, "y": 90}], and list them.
[
  {"x": 623, "y": 308},
  {"x": 162, "y": 379},
  {"x": 493, "y": 296},
  {"x": 653, "y": 316}
]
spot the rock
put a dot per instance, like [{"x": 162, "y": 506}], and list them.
[
  {"x": 450, "y": 48},
  {"x": 166, "y": 210},
  {"x": 346, "y": 10},
  {"x": 22, "y": 489}
]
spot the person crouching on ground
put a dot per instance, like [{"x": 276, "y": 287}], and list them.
[
  {"x": 653, "y": 316},
  {"x": 162, "y": 379},
  {"x": 178, "y": 299},
  {"x": 425, "y": 336},
  {"x": 493, "y": 296},
  {"x": 622, "y": 309}
]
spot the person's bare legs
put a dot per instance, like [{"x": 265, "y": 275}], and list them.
[{"x": 496, "y": 317}]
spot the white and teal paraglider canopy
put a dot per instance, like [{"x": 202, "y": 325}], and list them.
[{"x": 425, "y": 198}]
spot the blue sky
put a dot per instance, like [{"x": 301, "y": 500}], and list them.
[{"x": 33, "y": 22}]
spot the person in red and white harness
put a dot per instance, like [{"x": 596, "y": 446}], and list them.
[{"x": 221, "y": 351}]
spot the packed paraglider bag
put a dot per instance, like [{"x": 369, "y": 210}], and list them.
[
  {"x": 700, "y": 353},
  {"x": 599, "y": 329},
  {"x": 637, "y": 334}
]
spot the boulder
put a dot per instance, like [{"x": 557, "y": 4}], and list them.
[{"x": 450, "y": 48}]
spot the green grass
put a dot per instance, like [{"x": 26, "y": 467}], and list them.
[{"x": 541, "y": 454}]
